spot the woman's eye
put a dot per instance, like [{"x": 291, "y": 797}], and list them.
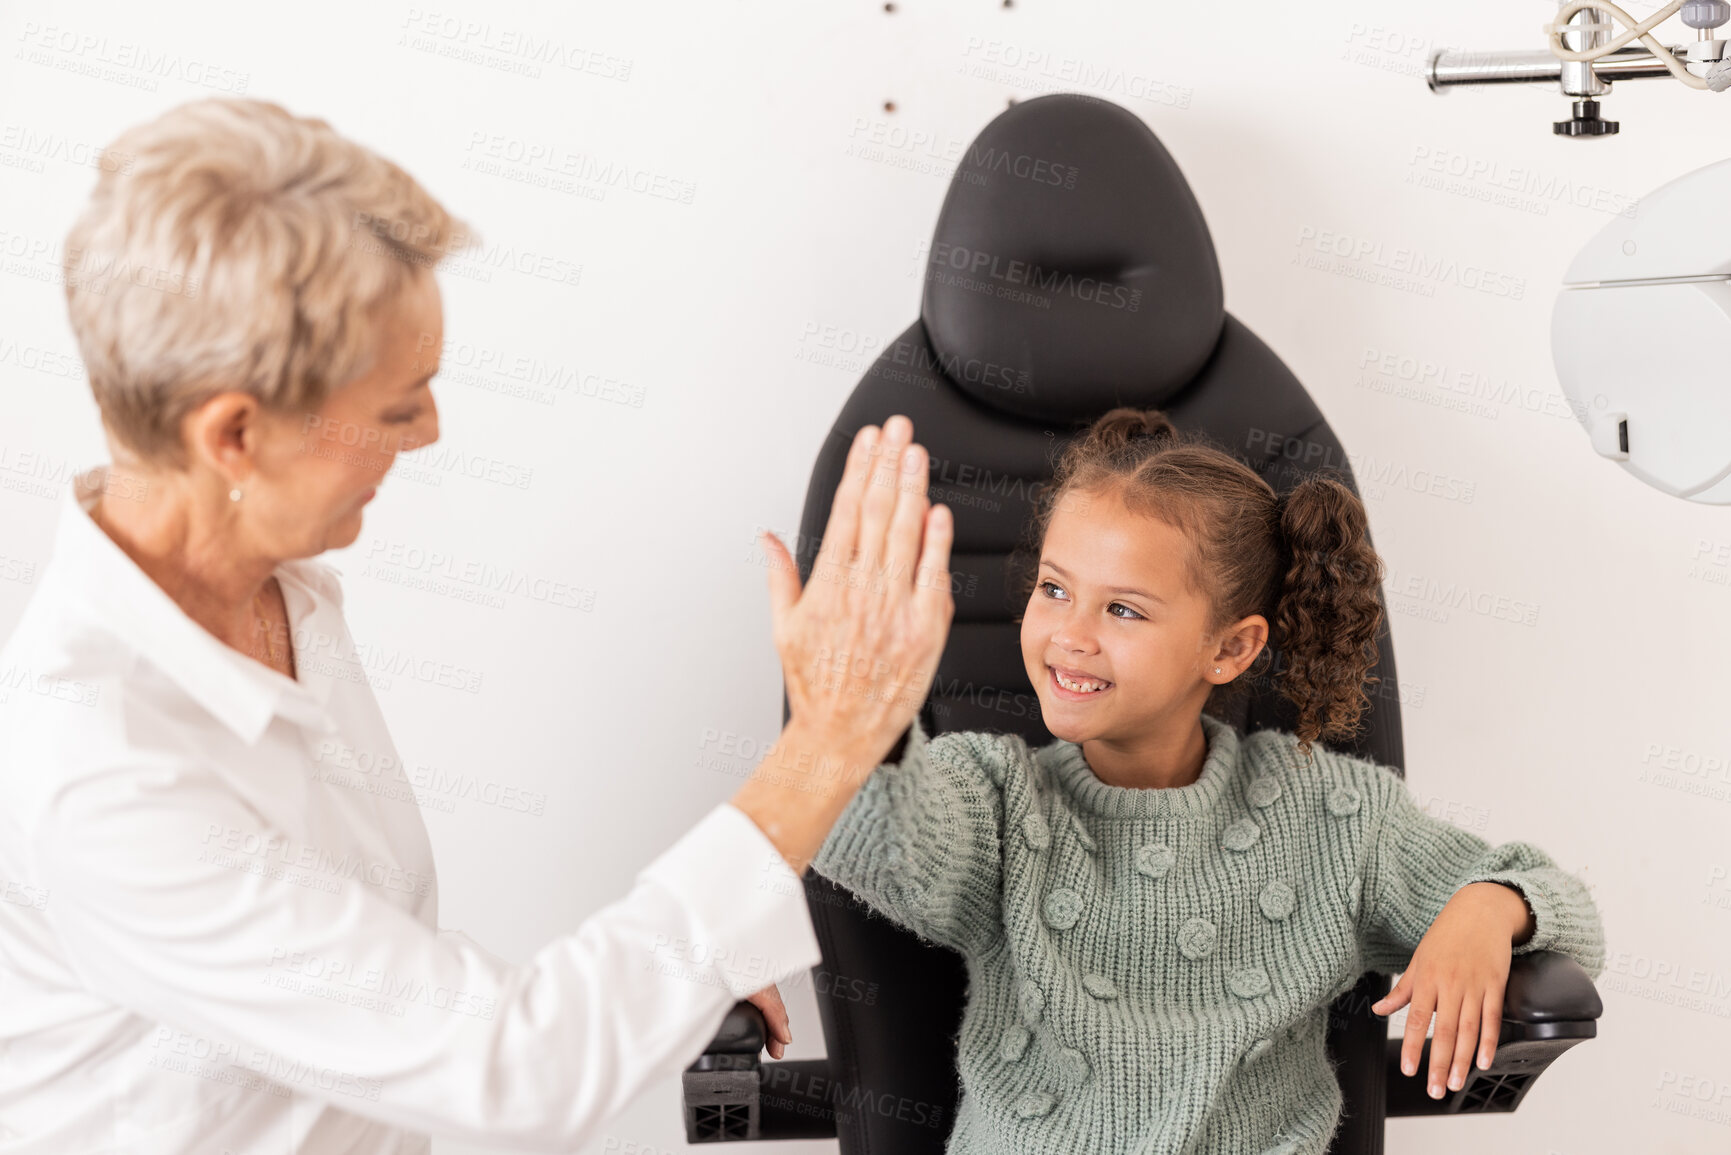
[
  {"x": 1122, "y": 606},
  {"x": 1048, "y": 585}
]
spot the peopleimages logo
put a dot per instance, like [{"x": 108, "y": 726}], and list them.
[{"x": 975, "y": 263}]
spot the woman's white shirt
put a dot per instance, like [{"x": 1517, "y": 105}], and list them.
[{"x": 215, "y": 936}]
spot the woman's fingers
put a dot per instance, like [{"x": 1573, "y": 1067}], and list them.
[
  {"x": 768, "y": 1000},
  {"x": 882, "y": 494},
  {"x": 933, "y": 607},
  {"x": 784, "y": 584},
  {"x": 841, "y": 532},
  {"x": 932, "y": 588},
  {"x": 908, "y": 521}
]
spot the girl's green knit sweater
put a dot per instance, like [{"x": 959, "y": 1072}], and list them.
[{"x": 1150, "y": 970}]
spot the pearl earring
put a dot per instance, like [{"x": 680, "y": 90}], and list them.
[
  {"x": 234, "y": 495},
  {"x": 1216, "y": 669}
]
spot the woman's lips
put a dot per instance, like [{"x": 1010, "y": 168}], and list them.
[{"x": 1075, "y": 695}]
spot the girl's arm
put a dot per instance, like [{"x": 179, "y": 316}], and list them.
[
  {"x": 1417, "y": 863},
  {"x": 1449, "y": 910},
  {"x": 920, "y": 842}
]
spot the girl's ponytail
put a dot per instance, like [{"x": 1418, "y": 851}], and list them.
[{"x": 1328, "y": 609}]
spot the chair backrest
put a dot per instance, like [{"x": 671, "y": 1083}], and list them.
[{"x": 1071, "y": 271}]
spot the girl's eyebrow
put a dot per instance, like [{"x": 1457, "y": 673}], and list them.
[{"x": 1061, "y": 572}]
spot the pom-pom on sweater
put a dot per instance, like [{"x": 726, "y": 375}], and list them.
[{"x": 1150, "y": 970}]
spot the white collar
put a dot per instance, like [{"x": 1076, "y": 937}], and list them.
[{"x": 242, "y": 693}]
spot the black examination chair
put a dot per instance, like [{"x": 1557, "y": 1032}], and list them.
[{"x": 1071, "y": 272}]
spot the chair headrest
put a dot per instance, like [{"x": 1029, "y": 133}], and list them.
[{"x": 1071, "y": 270}]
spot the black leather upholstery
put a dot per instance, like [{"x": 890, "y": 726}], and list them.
[
  {"x": 1551, "y": 989},
  {"x": 1046, "y": 303},
  {"x": 1107, "y": 238}
]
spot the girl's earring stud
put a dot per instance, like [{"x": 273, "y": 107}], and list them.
[{"x": 234, "y": 495}]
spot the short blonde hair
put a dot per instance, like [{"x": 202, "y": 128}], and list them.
[{"x": 243, "y": 248}]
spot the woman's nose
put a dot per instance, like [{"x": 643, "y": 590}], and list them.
[{"x": 425, "y": 430}]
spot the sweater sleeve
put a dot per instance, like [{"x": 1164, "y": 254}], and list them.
[
  {"x": 920, "y": 842},
  {"x": 1417, "y": 862}
]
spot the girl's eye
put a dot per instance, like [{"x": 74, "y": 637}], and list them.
[
  {"x": 401, "y": 420},
  {"x": 1048, "y": 584}
]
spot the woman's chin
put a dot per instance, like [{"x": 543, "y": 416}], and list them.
[{"x": 345, "y": 532}]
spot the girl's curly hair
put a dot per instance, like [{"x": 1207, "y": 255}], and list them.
[{"x": 1302, "y": 559}]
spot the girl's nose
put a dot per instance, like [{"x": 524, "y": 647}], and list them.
[{"x": 1073, "y": 639}]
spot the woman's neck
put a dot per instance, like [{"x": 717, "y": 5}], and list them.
[
  {"x": 1158, "y": 759},
  {"x": 187, "y": 551}
]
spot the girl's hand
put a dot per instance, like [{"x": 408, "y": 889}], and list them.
[
  {"x": 1459, "y": 971},
  {"x": 768, "y": 1000}
]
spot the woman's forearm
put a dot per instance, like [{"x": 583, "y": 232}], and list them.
[{"x": 801, "y": 787}]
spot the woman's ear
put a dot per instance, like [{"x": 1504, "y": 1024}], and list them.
[{"x": 222, "y": 434}]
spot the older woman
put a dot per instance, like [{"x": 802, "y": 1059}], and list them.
[{"x": 209, "y": 945}]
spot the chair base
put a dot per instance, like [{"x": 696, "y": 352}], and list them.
[{"x": 792, "y": 1100}]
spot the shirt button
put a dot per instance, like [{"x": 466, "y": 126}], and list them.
[
  {"x": 1014, "y": 1043},
  {"x": 1035, "y": 831}
]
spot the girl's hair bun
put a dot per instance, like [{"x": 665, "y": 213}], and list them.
[{"x": 1124, "y": 425}]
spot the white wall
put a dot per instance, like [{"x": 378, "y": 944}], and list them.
[{"x": 1294, "y": 124}]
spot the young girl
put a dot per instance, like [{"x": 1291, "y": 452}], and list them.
[{"x": 1155, "y": 910}]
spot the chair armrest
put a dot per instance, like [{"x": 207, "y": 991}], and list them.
[
  {"x": 1549, "y": 1005},
  {"x": 731, "y": 1095},
  {"x": 1546, "y": 986},
  {"x": 742, "y": 1032}
]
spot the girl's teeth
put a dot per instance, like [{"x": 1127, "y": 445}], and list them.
[{"x": 1079, "y": 687}]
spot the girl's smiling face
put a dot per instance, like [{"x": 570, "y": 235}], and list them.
[{"x": 1112, "y": 607}]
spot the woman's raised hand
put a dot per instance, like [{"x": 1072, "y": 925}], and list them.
[{"x": 859, "y": 644}]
